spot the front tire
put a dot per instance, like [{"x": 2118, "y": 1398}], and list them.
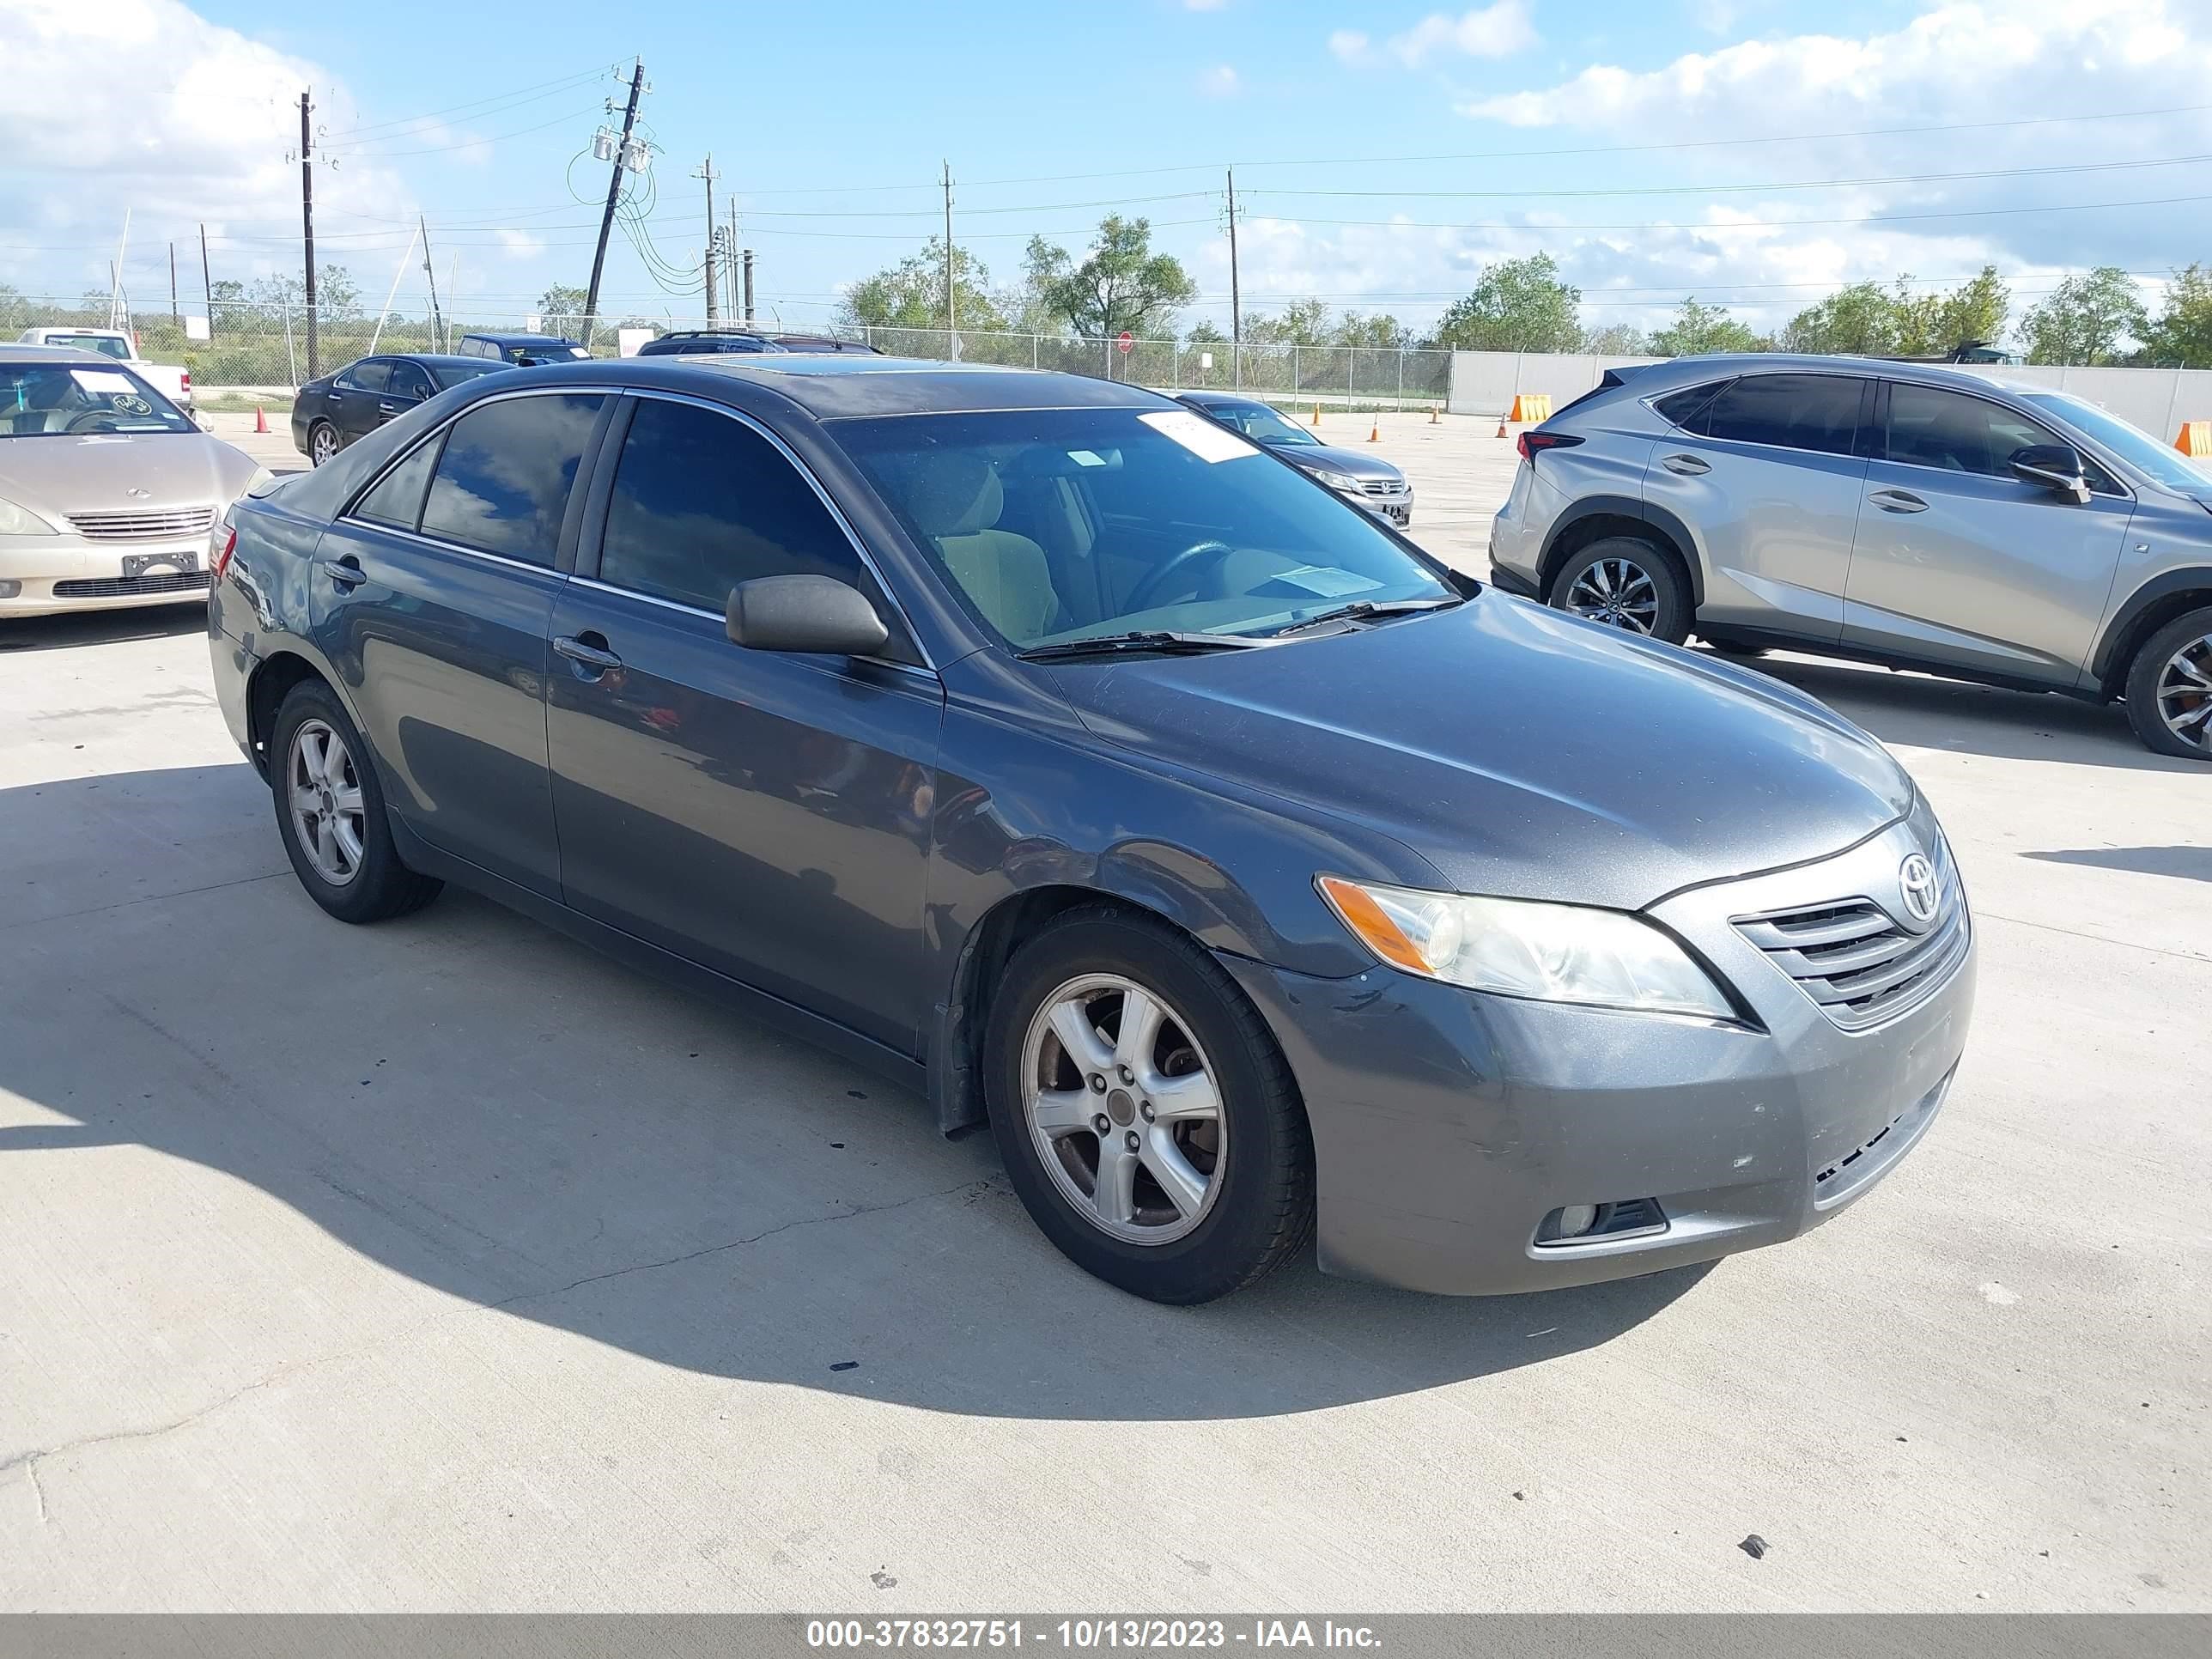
[
  {"x": 1624, "y": 582},
  {"x": 1147, "y": 1120},
  {"x": 330, "y": 814},
  {"x": 2169, "y": 687}
]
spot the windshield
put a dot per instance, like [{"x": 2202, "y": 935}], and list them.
[
  {"x": 1261, "y": 423},
  {"x": 1071, "y": 523},
  {"x": 2167, "y": 465},
  {"x": 447, "y": 374},
  {"x": 106, "y": 344},
  {"x": 38, "y": 400}
]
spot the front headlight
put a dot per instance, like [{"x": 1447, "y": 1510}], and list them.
[
  {"x": 1343, "y": 481},
  {"x": 1522, "y": 948},
  {"x": 21, "y": 521}
]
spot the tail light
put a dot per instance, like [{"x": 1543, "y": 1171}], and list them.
[
  {"x": 184, "y": 380},
  {"x": 1530, "y": 444},
  {"x": 220, "y": 545}
]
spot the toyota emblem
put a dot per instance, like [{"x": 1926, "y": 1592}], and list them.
[
  {"x": 1916, "y": 881},
  {"x": 137, "y": 494}
]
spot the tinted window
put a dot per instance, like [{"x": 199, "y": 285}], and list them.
[
  {"x": 1797, "y": 411},
  {"x": 1928, "y": 427},
  {"x": 369, "y": 374},
  {"x": 702, "y": 502},
  {"x": 2138, "y": 448},
  {"x": 452, "y": 373},
  {"x": 503, "y": 481},
  {"x": 407, "y": 380},
  {"x": 1684, "y": 406},
  {"x": 397, "y": 500}
]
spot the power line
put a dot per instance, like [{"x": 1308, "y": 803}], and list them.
[
  {"x": 549, "y": 88},
  {"x": 468, "y": 143}
]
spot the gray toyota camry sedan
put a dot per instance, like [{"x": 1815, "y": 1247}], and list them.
[{"x": 1055, "y": 750}]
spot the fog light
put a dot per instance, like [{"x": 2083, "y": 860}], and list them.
[
  {"x": 8, "y": 590},
  {"x": 1577, "y": 1218}
]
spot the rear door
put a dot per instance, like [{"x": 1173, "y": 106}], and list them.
[
  {"x": 1961, "y": 564},
  {"x": 355, "y": 391},
  {"x": 764, "y": 813},
  {"x": 432, "y": 594},
  {"x": 1768, "y": 476}
]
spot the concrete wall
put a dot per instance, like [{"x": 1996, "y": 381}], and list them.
[{"x": 2156, "y": 399}]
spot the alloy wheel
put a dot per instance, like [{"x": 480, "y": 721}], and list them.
[
  {"x": 322, "y": 790},
  {"x": 1618, "y": 592},
  {"x": 322, "y": 444},
  {"x": 1123, "y": 1109},
  {"x": 2184, "y": 693}
]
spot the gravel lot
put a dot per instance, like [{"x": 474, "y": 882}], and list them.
[{"x": 445, "y": 1265}]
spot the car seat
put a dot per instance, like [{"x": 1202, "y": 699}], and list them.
[{"x": 956, "y": 499}]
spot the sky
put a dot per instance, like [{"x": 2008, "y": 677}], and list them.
[{"x": 1757, "y": 153}]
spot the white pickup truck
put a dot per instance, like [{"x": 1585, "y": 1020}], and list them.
[{"x": 171, "y": 381}]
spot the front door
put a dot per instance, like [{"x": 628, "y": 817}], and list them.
[
  {"x": 1769, "y": 474},
  {"x": 433, "y": 595},
  {"x": 764, "y": 814},
  {"x": 1960, "y": 564}
]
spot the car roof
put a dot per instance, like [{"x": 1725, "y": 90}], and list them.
[
  {"x": 1221, "y": 399},
  {"x": 51, "y": 354},
  {"x": 518, "y": 339},
  {"x": 433, "y": 358}
]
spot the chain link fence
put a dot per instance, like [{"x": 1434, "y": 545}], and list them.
[{"x": 260, "y": 350}]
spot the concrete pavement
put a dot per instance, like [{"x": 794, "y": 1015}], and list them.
[{"x": 446, "y": 1265}]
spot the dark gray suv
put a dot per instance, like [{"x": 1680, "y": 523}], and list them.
[
  {"x": 1915, "y": 515},
  {"x": 1086, "y": 768}
]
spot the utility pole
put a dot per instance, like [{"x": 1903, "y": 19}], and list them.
[
  {"x": 308, "y": 224},
  {"x": 706, "y": 170},
  {"x": 951, "y": 309},
  {"x": 614, "y": 190},
  {"x": 207, "y": 283},
  {"x": 730, "y": 261},
  {"x": 437, "y": 323},
  {"x": 1236, "y": 298},
  {"x": 749, "y": 285},
  {"x": 176, "y": 318}
]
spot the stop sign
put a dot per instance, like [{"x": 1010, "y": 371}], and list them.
[{"x": 1124, "y": 341}]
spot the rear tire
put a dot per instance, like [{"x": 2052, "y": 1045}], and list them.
[
  {"x": 322, "y": 442},
  {"x": 1205, "y": 1127},
  {"x": 2169, "y": 687},
  {"x": 331, "y": 813},
  {"x": 1625, "y": 582}
]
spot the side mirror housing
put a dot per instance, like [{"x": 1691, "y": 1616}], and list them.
[
  {"x": 2056, "y": 467},
  {"x": 803, "y": 613}
]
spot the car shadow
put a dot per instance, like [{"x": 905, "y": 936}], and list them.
[
  {"x": 1900, "y": 707},
  {"x": 76, "y": 628},
  {"x": 2188, "y": 863},
  {"x": 472, "y": 1101}
]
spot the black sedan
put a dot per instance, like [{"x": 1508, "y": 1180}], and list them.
[
  {"x": 352, "y": 401},
  {"x": 1370, "y": 480}
]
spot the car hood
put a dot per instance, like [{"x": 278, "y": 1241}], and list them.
[
  {"x": 1520, "y": 751},
  {"x": 58, "y": 475},
  {"x": 1357, "y": 463}
]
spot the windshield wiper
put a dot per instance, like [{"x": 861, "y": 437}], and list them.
[
  {"x": 1360, "y": 609},
  {"x": 1157, "y": 641}
]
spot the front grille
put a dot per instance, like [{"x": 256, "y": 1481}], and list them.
[
  {"x": 1383, "y": 486},
  {"x": 1859, "y": 963},
  {"x": 116, "y": 587},
  {"x": 142, "y": 526}
]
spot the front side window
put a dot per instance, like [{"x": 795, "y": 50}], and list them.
[
  {"x": 51, "y": 399},
  {"x": 1070, "y": 524},
  {"x": 407, "y": 380},
  {"x": 702, "y": 503},
  {"x": 1955, "y": 433},
  {"x": 1817, "y": 412},
  {"x": 503, "y": 481}
]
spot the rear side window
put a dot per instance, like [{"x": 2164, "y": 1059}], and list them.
[
  {"x": 370, "y": 374},
  {"x": 1794, "y": 411},
  {"x": 397, "y": 499},
  {"x": 702, "y": 502},
  {"x": 1682, "y": 408},
  {"x": 503, "y": 483}
]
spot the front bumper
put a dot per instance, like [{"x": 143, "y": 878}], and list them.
[
  {"x": 43, "y": 575},
  {"x": 1392, "y": 501},
  {"x": 1448, "y": 1124}
]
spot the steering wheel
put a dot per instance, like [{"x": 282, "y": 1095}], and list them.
[
  {"x": 1209, "y": 551},
  {"x": 83, "y": 423}
]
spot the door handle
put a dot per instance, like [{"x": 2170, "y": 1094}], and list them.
[
  {"x": 387, "y": 408},
  {"x": 1688, "y": 465},
  {"x": 346, "y": 572},
  {"x": 1898, "y": 500},
  {"x": 588, "y": 651}
]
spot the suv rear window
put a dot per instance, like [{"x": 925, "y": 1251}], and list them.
[
  {"x": 1680, "y": 408},
  {"x": 1819, "y": 412}
]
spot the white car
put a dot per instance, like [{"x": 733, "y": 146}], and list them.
[
  {"x": 110, "y": 495},
  {"x": 170, "y": 380}
]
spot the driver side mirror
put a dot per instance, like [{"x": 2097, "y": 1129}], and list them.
[
  {"x": 803, "y": 613},
  {"x": 2056, "y": 467}
]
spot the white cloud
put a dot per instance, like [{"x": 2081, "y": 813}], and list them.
[
  {"x": 1498, "y": 30},
  {"x": 1220, "y": 81}
]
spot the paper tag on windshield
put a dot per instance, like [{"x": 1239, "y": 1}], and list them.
[
  {"x": 1329, "y": 584},
  {"x": 105, "y": 382},
  {"x": 1205, "y": 440}
]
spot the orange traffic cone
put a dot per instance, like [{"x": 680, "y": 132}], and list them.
[
  {"x": 260, "y": 419},
  {"x": 1374, "y": 432},
  {"x": 1501, "y": 426},
  {"x": 1317, "y": 419},
  {"x": 1435, "y": 419}
]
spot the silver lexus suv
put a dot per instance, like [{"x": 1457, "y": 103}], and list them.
[{"x": 1913, "y": 515}]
